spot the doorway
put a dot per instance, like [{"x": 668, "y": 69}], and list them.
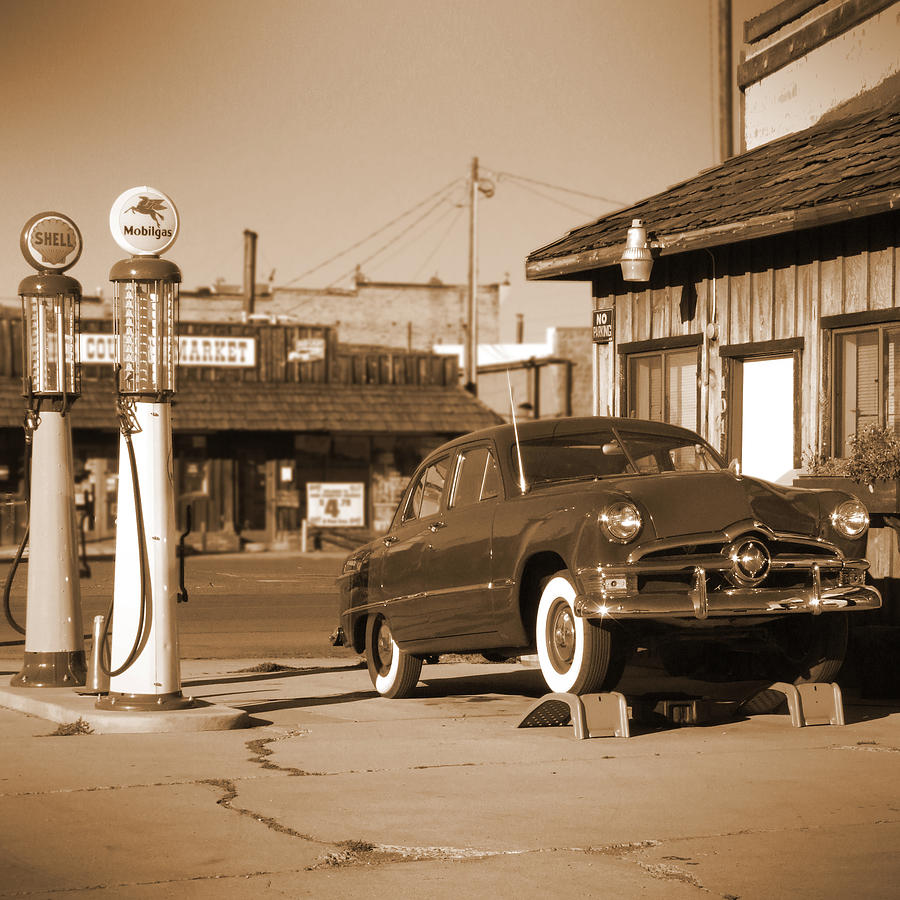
[{"x": 764, "y": 405}]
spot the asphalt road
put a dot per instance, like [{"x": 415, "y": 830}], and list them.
[{"x": 239, "y": 606}]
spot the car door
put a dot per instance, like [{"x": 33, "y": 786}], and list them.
[
  {"x": 401, "y": 571},
  {"x": 457, "y": 556}
]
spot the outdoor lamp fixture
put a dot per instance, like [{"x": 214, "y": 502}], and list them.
[{"x": 637, "y": 260}]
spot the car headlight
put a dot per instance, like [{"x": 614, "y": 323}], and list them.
[
  {"x": 850, "y": 518},
  {"x": 621, "y": 522}
]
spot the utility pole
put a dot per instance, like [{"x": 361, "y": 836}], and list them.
[
  {"x": 471, "y": 354},
  {"x": 249, "y": 271},
  {"x": 726, "y": 112}
]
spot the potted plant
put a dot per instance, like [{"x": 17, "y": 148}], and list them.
[{"x": 871, "y": 471}]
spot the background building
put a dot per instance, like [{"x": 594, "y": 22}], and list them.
[{"x": 263, "y": 415}]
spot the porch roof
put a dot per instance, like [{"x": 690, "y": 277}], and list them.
[
  {"x": 835, "y": 171},
  {"x": 279, "y": 406}
]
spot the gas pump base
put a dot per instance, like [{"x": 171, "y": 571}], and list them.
[
  {"x": 60, "y": 668},
  {"x": 144, "y": 702}
]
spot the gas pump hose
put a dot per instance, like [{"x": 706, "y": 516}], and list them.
[
  {"x": 128, "y": 426},
  {"x": 32, "y": 419}
]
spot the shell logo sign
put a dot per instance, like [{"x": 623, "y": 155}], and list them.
[
  {"x": 144, "y": 221},
  {"x": 51, "y": 241}
]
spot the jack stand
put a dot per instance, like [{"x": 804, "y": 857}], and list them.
[
  {"x": 592, "y": 715},
  {"x": 812, "y": 704}
]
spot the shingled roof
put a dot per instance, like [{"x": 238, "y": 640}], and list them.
[
  {"x": 279, "y": 406},
  {"x": 834, "y": 171}
]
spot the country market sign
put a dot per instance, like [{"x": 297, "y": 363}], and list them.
[
  {"x": 144, "y": 221},
  {"x": 51, "y": 242}
]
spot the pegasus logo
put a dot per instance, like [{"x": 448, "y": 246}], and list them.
[{"x": 148, "y": 207}]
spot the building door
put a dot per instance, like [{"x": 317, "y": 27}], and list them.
[
  {"x": 251, "y": 498},
  {"x": 763, "y": 416}
]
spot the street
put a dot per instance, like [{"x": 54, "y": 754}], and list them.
[
  {"x": 335, "y": 792},
  {"x": 267, "y": 605}
]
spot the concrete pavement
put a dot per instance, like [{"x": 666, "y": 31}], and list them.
[{"x": 334, "y": 792}]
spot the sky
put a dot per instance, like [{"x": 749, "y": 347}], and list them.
[{"x": 316, "y": 123}]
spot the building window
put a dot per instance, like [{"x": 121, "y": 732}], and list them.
[
  {"x": 866, "y": 389},
  {"x": 664, "y": 386}
]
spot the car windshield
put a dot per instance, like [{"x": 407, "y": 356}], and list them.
[{"x": 604, "y": 454}]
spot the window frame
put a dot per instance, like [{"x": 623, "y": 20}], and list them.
[
  {"x": 462, "y": 454},
  {"x": 836, "y": 334},
  {"x": 663, "y": 353}
]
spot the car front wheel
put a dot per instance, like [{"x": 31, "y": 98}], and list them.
[
  {"x": 393, "y": 671},
  {"x": 812, "y": 649},
  {"x": 576, "y": 656}
]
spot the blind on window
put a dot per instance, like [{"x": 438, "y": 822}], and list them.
[{"x": 681, "y": 374}]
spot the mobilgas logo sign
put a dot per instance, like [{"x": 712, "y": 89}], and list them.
[
  {"x": 144, "y": 221},
  {"x": 51, "y": 241}
]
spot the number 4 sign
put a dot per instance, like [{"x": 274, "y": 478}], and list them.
[{"x": 335, "y": 504}]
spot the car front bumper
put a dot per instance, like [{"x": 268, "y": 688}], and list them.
[{"x": 614, "y": 593}]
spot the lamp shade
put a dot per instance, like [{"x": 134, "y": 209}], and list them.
[{"x": 636, "y": 260}]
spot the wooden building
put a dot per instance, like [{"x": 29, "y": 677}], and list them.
[
  {"x": 771, "y": 319},
  {"x": 261, "y": 413}
]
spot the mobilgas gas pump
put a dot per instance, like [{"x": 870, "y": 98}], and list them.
[
  {"x": 51, "y": 377},
  {"x": 144, "y": 664}
]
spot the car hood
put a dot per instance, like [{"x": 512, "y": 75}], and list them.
[{"x": 696, "y": 502}]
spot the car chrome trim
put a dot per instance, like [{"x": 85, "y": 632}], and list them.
[
  {"x": 699, "y": 597},
  {"x": 732, "y": 602},
  {"x": 728, "y": 536}
]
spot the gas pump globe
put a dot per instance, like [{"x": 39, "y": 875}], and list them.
[
  {"x": 51, "y": 382},
  {"x": 51, "y": 315},
  {"x": 146, "y": 315}
]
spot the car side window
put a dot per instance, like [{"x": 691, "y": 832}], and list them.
[
  {"x": 425, "y": 497},
  {"x": 476, "y": 479}
]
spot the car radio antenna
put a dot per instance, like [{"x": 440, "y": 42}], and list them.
[{"x": 512, "y": 411}]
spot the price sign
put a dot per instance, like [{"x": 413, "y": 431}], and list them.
[{"x": 335, "y": 504}]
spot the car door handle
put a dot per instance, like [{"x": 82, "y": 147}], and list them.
[
  {"x": 389, "y": 539},
  {"x": 434, "y": 526}
]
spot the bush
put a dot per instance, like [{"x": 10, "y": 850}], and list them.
[{"x": 874, "y": 455}]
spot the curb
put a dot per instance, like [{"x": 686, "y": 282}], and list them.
[{"x": 62, "y": 705}]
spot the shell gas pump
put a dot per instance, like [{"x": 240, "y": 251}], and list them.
[
  {"x": 143, "y": 661},
  {"x": 51, "y": 379}
]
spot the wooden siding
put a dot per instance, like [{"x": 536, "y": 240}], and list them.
[{"x": 766, "y": 290}]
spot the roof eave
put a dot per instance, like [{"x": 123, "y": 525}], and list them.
[{"x": 733, "y": 232}]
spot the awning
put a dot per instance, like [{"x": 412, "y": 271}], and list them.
[{"x": 282, "y": 406}]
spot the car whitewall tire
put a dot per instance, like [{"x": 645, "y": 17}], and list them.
[
  {"x": 394, "y": 672},
  {"x": 574, "y": 654}
]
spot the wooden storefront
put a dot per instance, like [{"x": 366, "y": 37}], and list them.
[{"x": 261, "y": 411}]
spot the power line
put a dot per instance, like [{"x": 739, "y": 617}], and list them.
[
  {"x": 556, "y": 187},
  {"x": 531, "y": 190},
  {"x": 412, "y": 209},
  {"x": 392, "y": 241},
  {"x": 440, "y": 243},
  {"x": 431, "y": 226}
]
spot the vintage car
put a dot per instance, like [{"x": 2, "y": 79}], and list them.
[{"x": 582, "y": 538}]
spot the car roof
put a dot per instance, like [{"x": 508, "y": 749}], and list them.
[{"x": 534, "y": 429}]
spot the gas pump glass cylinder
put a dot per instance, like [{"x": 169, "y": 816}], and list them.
[
  {"x": 146, "y": 343},
  {"x": 52, "y": 364}
]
